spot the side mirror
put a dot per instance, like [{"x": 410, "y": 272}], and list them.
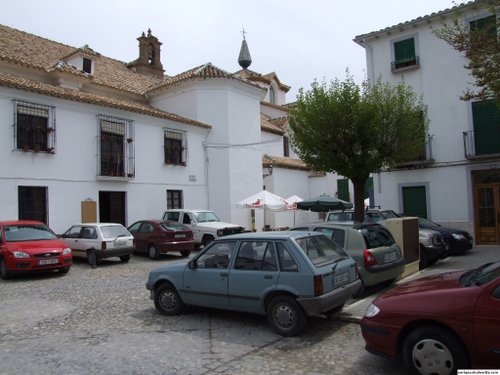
[{"x": 192, "y": 265}]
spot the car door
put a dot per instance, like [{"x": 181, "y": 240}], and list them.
[
  {"x": 487, "y": 325},
  {"x": 207, "y": 283},
  {"x": 143, "y": 236},
  {"x": 71, "y": 238},
  {"x": 88, "y": 239},
  {"x": 254, "y": 273}
]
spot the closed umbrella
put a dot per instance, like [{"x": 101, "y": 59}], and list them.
[{"x": 323, "y": 203}]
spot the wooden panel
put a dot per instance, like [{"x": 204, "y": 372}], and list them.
[{"x": 89, "y": 212}]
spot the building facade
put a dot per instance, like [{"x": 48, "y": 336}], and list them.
[{"x": 456, "y": 180}]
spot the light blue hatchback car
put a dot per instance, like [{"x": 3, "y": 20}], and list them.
[{"x": 287, "y": 276}]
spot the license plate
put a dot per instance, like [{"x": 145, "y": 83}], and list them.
[
  {"x": 180, "y": 235},
  {"x": 390, "y": 256},
  {"x": 47, "y": 261},
  {"x": 340, "y": 278},
  {"x": 120, "y": 243}
]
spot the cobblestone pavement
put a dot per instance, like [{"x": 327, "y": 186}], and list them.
[{"x": 101, "y": 321}]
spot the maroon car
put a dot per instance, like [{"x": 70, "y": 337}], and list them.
[
  {"x": 162, "y": 236},
  {"x": 439, "y": 323},
  {"x": 27, "y": 246}
]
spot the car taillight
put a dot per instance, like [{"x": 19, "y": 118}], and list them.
[
  {"x": 369, "y": 259},
  {"x": 357, "y": 271},
  {"x": 165, "y": 235},
  {"x": 318, "y": 285},
  {"x": 103, "y": 245}
]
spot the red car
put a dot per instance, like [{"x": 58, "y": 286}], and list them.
[
  {"x": 27, "y": 246},
  {"x": 162, "y": 236},
  {"x": 439, "y": 323}
]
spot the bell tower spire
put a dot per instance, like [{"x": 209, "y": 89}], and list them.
[{"x": 244, "y": 59}]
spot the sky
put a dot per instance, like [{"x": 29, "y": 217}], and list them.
[{"x": 300, "y": 40}]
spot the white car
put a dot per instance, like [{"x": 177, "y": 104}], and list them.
[{"x": 107, "y": 239}]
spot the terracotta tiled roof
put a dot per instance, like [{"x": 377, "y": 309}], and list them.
[
  {"x": 274, "y": 76},
  {"x": 284, "y": 162},
  {"x": 359, "y": 38},
  {"x": 282, "y": 107},
  {"x": 21, "y": 83},
  {"x": 280, "y": 122},
  {"x": 201, "y": 72},
  {"x": 267, "y": 126},
  {"x": 257, "y": 77}
]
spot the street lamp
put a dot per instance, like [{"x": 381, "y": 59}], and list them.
[{"x": 270, "y": 170}]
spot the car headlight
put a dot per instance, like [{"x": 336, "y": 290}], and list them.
[
  {"x": 20, "y": 254},
  {"x": 371, "y": 311},
  {"x": 220, "y": 232},
  {"x": 458, "y": 236},
  {"x": 66, "y": 251}
]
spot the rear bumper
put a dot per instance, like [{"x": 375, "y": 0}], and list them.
[
  {"x": 377, "y": 274},
  {"x": 166, "y": 247},
  {"x": 118, "y": 252},
  {"x": 326, "y": 302}
]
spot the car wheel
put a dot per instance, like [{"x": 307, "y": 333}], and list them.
[
  {"x": 4, "y": 271},
  {"x": 168, "y": 301},
  {"x": 360, "y": 291},
  {"x": 64, "y": 269},
  {"x": 126, "y": 258},
  {"x": 423, "y": 259},
  {"x": 90, "y": 257},
  {"x": 185, "y": 253},
  {"x": 207, "y": 240},
  {"x": 153, "y": 252},
  {"x": 432, "y": 350},
  {"x": 286, "y": 316}
]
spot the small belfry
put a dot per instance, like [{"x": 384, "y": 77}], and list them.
[
  {"x": 244, "y": 58},
  {"x": 149, "y": 62}
]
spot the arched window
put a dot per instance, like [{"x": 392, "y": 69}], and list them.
[{"x": 272, "y": 97}]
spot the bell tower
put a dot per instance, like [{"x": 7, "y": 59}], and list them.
[{"x": 149, "y": 62}]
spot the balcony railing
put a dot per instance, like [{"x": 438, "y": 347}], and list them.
[
  {"x": 424, "y": 158},
  {"x": 482, "y": 143},
  {"x": 407, "y": 63}
]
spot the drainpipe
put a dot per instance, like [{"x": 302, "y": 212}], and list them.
[
  {"x": 369, "y": 65},
  {"x": 207, "y": 195}
]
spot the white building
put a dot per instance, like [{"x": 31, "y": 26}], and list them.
[
  {"x": 80, "y": 127},
  {"x": 456, "y": 181}
]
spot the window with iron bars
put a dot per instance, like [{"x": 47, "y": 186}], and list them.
[
  {"x": 34, "y": 127},
  {"x": 175, "y": 148},
  {"x": 32, "y": 203},
  {"x": 174, "y": 199},
  {"x": 115, "y": 147}
]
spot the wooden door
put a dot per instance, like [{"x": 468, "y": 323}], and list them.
[{"x": 487, "y": 205}]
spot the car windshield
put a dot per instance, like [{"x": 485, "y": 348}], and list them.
[
  {"x": 481, "y": 275},
  {"x": 340, "y": 216},
  {"x": 18, "y": 233},
  {"x": 172, "y": 225},
  {"x": 389, "y": 214},
  {"x": 202, "y": 217},
  {"x": 114, "y": 231},
  {"x": 426, "y": 223},
  {"x": 321, "y": 250}
]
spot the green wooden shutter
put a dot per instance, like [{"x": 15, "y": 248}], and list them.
[
  {"x": 343, "y": 189},
  {"x": 486, "y": 118},
  {"x": 414, "y": 201},
  {"x": 404, "y": 51},
  {"x": 368, "y": 186}
]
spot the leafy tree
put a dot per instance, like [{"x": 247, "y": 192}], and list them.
[
  {"x": 478, "y": 41},
  {"x": 357, "y": 130}
]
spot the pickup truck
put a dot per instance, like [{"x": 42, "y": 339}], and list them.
[{"x": 206, "y": 226}]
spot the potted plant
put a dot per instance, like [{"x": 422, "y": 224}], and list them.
[
  {"x": 26, "y": 147},
  {"x": 183, "y": 163},
  {"x": 104, "y": 137},
  {"x": 51, "y": 150},
  {"x": 37, "y": 148},
  {"x": 130, "y": 175},
  {"x": 49, "y": 130},
  {"x": 167, "y": 161},
  {"x": 27, "y": 126},
  {"x": 130, "y": 140}
]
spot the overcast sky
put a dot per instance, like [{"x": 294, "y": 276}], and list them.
[{"x": 299, "y": 40}]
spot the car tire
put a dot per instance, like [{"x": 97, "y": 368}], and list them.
[
  {"x": 90, "y": 256},
  {"x": 286, "y": 316},
  {"x": 126, "y": 258},
  {"x": 153, "y": 252},
  {"x": 185, "y": 253},
  {"x": 167, "y": 300},
  {"x": 207, "y": 240},
  {"x": 423, "y": 259},
  {"x": 64, "y": 270},
  {"x": 445, "y": 350},
  {"x": 5, "y": 274},
  {"x": 360, "y": 291}
]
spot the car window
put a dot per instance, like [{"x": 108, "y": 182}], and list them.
[
  {"x": 217, "y": 255},
  {"x": 73, "y": 232},
  {"x": 372, "y": 217},
  {"x": 321, "y": 250},
  {"x": 287, "y": 264},
  {"x": 486, "y": 273},
  {"x": 174, "y": 216},
  {"x": 89, "y": 233},
  {"x": 256, "y": 256},
  {"x": 134, "y": 227},
  {"x": 172, "y": 225},
  {"x": 146, "y": 228},
  {"x": 186, "y": 219},
  {"x": 113, "y": 231},
  {"x": 339, "y": 237},
  {"x": 340, "y": 216},
  {"x": 376, "y": 236},
  {"x": 33, "y": 232},
  {"x": 389, "y": 214}
]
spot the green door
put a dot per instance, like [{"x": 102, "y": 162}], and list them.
[
  {"x": 415, "y": 201},
  {"x": 343, "y": 189}
]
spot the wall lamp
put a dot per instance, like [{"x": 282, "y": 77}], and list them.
[{"x": 270, "y": 170}]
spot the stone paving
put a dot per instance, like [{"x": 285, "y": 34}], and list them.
[{"x": 101, "y": 321}]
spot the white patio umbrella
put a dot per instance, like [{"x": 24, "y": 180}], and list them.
[
  {"x": 292, "y": 204},
  {"x": 262, "y": 201}
]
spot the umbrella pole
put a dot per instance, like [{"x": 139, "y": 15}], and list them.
[{"x": 253, "y": 219}]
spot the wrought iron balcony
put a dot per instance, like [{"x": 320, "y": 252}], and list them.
[
  {"x": 423, "y": 159},
  {"x": 482, "y": 143},
  {"x": 407, "y": 63}
]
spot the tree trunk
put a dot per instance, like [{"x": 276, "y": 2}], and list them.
[{"x": 359, "y": 198}]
